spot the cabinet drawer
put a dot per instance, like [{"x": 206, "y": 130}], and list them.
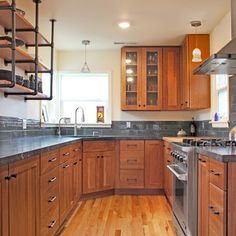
[
  {"x": 76, "y": 149},
  {"x": 65, "y": 154},
  {"x": 49, "y": 200},
  {"x": 217, "y": 211},
  {"x": 131, "y": 145},
  {"x": 132, "y": 178},
  {"x": 132, "y": 159},
  {"x": 50, "y": 223},
  {"x": 92, "y": 146},
  {"x": 49, "y": 160},
  {"x": 217, "y": 174},
  {"x": 49, "y": 181}
]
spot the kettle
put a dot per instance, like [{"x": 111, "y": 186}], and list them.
[{"x": 232, "y": 133}]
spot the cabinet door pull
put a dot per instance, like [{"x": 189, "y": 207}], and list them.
[
  {"x": 75, "y": 163},
  {"x": 52, "y": 160},
  {"x": 52, "y": 224},
  {"x": 144, "y": 105},
  {"x": 98, "y": 156},
  {"x": 76, "y": 149},
  {"x": 216, "y": 212},
  {"x": 131, "y": 180},
  {"x": 80, "y": 159},
  {"x": 168, "y": 161},
  {"x": 13, "y": 176},
  {"x": 52, "y": 179},
  {"x": 7, "y": 177},
  {"x": 201, "y": 160},
  {"x": 216, "y": 173},
  {"x": 132, "y": 161},
  {"x": 211, "y": 207},
  {"x": 52, "y": 199},
  {"x": 102, "y": 156},
  {"x": 66, "y": 166},
  {"x": 139, "y": 105},
  {"x": 66, "y": 154}
]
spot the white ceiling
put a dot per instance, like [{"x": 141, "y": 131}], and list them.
[{"x": 153, "y": 22}]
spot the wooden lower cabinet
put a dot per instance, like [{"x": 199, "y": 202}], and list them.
[
  {"x": 98, "y": 171},
  {"x": 168, "y": 180},
  {"x": 154, "y": 163},
  {"x": 24, "y": 198},
  {"x": 3, "y": 201}
]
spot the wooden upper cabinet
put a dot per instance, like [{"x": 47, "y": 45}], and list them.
[
  {"x": 141, "y": 78},
  {"x": 154, "y": 163},
  {"x": 171, "y": 78},
  {"x": 195, "y": 88},
  {"x": 3, "y": 201},
  {"x": 24, "y": 197}
]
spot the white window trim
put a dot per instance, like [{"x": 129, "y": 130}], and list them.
[
  {"x": 58, "y": 104},
  {"x": 220, "y": 123}
]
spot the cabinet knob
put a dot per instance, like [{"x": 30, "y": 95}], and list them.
[
  {"x": 66, "y": 166},
  {"x": 139, "y": 105},
  {"x": 52, "y": 179},
  {"x": 144, "y": 105},
  {"x": 52, "y": 160},
  {"x": 66, "y": 154},
  {"x": 13, "y": 176},
  {"x": 216, "y": 212},
  {"x": 75, "y": 163},
  {"x": 52, "y": 199}
]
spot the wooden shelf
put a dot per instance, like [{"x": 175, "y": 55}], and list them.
[
  {"x": 21, "y": 55},
  {"x": 18, "y": 89},
  {"x": 21, "y": 23}
]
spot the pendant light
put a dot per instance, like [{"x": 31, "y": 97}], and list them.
[
  {"x": 85, "y": 68},
  {"x": 196, "y": 51}
]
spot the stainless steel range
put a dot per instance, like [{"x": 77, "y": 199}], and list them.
[{"x": 184, "y": 169}]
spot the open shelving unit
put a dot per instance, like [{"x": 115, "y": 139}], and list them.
[{"x": 19, "y": 27}]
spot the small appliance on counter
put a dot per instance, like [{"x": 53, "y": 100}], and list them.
[{"x": 181, "y": 133}]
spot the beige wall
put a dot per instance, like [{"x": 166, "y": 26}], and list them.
[
  {"x": 219, "y": 37},
  {"x": 109, "y": 61}
]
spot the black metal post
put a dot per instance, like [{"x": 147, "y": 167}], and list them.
[{"x": 13, "y": 47}]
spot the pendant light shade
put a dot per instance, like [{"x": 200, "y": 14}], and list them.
[
  {"x": 196, "y": 51},
  {"x": 85, "y": 68}
]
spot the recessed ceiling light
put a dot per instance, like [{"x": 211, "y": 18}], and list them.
[{"x": 124, "y": 24}]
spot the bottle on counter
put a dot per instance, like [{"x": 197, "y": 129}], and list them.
[{"x": 192, "y": 128}]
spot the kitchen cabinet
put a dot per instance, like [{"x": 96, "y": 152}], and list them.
[
  {"x": 203, "y": 195},
  {"x": 98, "y": 166},
  {"x": 168, "y": 179},
  {"x": 212, "y": 197},
  {"x": 195, "y": 88},
  {"x": 23, "y": 197},
  {"x": 154, "y": 163},
  {"x": 141, "y": 79},
  {"x": 171, "y": 78},
  {"x": 3, "y": 201}
]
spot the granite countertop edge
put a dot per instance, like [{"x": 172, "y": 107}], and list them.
[{"x": 25, "y": 147}]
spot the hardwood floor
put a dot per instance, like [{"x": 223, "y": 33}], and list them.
[{"x": 122, "y": 216}]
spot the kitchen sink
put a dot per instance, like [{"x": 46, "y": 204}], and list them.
[{"x": 84, "y": 136}]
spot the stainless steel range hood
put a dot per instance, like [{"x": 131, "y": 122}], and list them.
[{"x": 223, "y": 62}]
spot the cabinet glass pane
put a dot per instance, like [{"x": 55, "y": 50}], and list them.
[
  {"x": 152, "y": 77},
  {"x": 131, "y": 78}
]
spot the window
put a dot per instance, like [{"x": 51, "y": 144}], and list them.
[
  {"x": 86, "y": 90},
  {"x": 221, "y": 106}
]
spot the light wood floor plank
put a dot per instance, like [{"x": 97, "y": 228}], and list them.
[{"x": 122, "y": 216}]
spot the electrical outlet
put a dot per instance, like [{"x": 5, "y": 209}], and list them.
[
  {"x": 128, "y": 124},
  {"x": 24, "y": 124}
]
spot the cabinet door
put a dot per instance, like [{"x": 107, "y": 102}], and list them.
[
  {"x": 24, "y": 198},
  {"x": 171, "y": 78},
  {"x": 3, "y": 201},
  {"x": 154, "y": 164},
  {"x": 90, "y": 172},
  {"x": 106, "y": 171},
  {"x": 65, "y": 189},
  {"x": 203, "y": 195},
  {"x": 131, "y": 78},
  {"x": 151, "y": 79}
]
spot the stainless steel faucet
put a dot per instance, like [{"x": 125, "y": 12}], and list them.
[
  {"x": 66, "y": 121},
  {"x": 82, "y": 118}
]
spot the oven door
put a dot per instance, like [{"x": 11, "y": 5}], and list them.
[{"x": 180, "y": 182}]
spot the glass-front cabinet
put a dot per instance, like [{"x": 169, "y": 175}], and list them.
[{"x": 141, "y": 78}]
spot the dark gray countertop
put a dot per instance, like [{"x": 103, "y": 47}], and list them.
[
  {"x": 223, "y": 154},
  {"x": 21, "y": 148}
]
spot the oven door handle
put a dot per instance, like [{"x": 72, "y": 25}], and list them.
[{"x": 181, "y": 177}]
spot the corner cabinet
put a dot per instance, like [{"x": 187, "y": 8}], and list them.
[
  {"x": 195, "y": 88},
  {"x": 141, "y": 78}
]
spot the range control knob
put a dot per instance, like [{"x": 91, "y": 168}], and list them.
[
  {"x": 177, "y": 156},
  {"x": 181, "y": 159}
]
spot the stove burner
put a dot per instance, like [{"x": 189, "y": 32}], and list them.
[{"x": 209, "y": 142}]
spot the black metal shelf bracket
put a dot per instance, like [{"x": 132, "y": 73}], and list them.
[{"x": 12, "y": 8}]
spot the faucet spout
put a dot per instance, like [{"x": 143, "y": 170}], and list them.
[{"x": 82, "y": 118}]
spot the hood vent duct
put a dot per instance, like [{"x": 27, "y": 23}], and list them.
[{"x": 223, "y": 62}]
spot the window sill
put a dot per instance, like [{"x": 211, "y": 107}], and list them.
[
  {"x": 95, "y": 125},
  {"x": 219, "y": 124}
]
